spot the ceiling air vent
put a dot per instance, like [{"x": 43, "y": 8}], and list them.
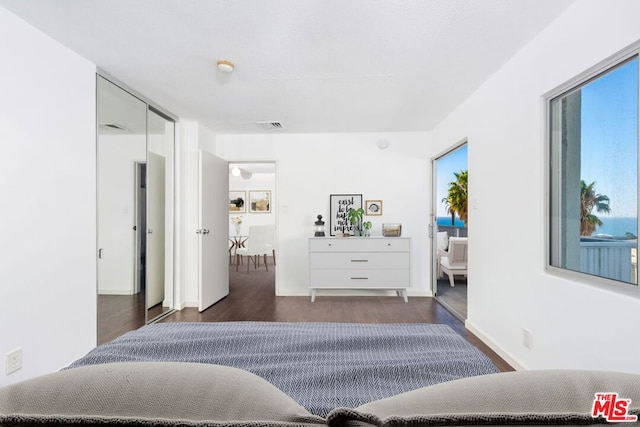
[
  {"x": 114, "y": 126},
  {"x": 267, "y": 124}
]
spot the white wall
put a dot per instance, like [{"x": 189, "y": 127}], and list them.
[
  {"x": 48, "y": 193},
  {"x": 574, "y": 325},
  {"x": 311, "y": 167}
]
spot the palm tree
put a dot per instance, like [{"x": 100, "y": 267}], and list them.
[
  {"x": 456, "y": 200},
  {"x": 589, "y": 199}
]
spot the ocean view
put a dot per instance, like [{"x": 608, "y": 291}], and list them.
[
  {"x": 446, "y": 220},
  {"x": 613, "y": 226},
  {"x": 617, "y": 226}
]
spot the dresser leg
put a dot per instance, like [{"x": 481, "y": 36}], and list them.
[
  {"x": 403, "y": 293},
  {"x": 313, "y": 295}
]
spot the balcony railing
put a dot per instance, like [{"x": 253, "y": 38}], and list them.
[
  {"x": 613, "y": 259},
  {"x": 453, "y": 231}
]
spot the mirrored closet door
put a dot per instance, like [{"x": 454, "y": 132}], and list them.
[{"x": 135, "y": 211}]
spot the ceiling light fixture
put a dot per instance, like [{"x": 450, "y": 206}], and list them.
[
  {"x": 235, "y": 171},
  {"x": 225, "y": 66},
  {"x": 383, "y": 143}
]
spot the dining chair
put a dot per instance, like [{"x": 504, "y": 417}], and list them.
[
  {"x": 271, "y": 241},
  {"x": 256, "y": 246}
]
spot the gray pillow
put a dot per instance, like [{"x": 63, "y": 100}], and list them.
[
  {"x": 151, "y": 393},
  {"x": 543, "y": 397}
]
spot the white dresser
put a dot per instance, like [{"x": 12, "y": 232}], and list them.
[{"x": 360, "y": 263}]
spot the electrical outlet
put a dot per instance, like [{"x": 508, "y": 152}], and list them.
[
  {"x": 14, "y": 360},
  {"x": 527, "y": 338}
]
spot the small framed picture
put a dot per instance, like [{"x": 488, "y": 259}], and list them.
[
  {"x": 373, "y": 207},
  {"x": 260, "y": 201},
  {"x": 237, "y": 202}
]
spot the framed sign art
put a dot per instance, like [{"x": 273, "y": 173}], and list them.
[{"x": 339, "y": 205}]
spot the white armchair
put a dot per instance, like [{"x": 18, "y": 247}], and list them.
[{"x": 453, "y": 261}]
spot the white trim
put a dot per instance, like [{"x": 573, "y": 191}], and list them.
[
  {"x": 115, "y": 292},
  {"x": 189, "y": 304},
  {"x": 489, "y": 342}
]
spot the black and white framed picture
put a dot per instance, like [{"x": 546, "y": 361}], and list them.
[
  {"x": 339, "y": 205},
  {"x": 373, "y": 207},
  {"x": 237, "y": 202}
]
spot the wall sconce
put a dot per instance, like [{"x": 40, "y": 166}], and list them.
[{"x": 319, "y": 227}]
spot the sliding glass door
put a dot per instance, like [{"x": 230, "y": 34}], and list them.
[{"x": 449, "y": 225}]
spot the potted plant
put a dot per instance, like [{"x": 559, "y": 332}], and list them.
[
  {"x": 237, "y": 221},
  {"x": 367, "y": 228},
  {"x": 355, "y": 218}
]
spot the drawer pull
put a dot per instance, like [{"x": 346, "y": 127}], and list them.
[
  {"x": 359, "y": 278},
  {"x": 359, "y": 260}
]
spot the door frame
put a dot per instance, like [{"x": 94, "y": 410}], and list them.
[
  {"x": 276, "y": 218},
  {"x": 139, "y": 208}
]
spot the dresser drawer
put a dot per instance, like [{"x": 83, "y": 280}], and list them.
[
  {"x": 359, "y": 279},
  {"x": 359, "y": 244},
  {"x": 359, "y": 260}
]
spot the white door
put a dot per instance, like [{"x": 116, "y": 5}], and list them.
[
  {"x": 155, "y": 257},
  {"x": 213, "y": 230}
]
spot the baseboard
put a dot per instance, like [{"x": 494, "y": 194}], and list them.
[
  {"x": 493, "y": 346},
  {"x": 189, "y": 304},
  {"x": 114, "y": 292}
]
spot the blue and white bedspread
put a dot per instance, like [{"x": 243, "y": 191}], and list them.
[{"x": 320, "y": 365}]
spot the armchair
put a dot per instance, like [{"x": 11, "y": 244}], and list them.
[{"x": 453, "y": 261}]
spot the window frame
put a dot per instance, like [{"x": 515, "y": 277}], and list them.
[{"x": 565, "y": 88}]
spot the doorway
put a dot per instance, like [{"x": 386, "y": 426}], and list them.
[
  {"x": 140, "y": 226},
  {"x": 449, "y": 222},
  {"x": 252, "y": 202}
]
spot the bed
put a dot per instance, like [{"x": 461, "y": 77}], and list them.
[
  {"x": 320, "y": 365},
  {"x": 258, "y": 374}
]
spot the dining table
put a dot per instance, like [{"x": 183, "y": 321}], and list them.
[{"x": 237, "y": 241}]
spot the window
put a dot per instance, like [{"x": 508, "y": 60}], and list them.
[{"x": 593, "y": 205}]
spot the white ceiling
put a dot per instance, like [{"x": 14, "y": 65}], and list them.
[{"x": 313, "y": 65}]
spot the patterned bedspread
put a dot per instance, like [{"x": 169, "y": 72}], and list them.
[{"x": 320, "y": 365}]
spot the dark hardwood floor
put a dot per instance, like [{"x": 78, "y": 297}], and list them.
[
  {"x": 118, "y": 314},
  {"x": 252, "y": 298}
]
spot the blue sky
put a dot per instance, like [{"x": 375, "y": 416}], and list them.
[
  {"x": 609, "y": 148},
  {"x": 446, "y": 166},
  {"x": 610, "y": 137}
]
